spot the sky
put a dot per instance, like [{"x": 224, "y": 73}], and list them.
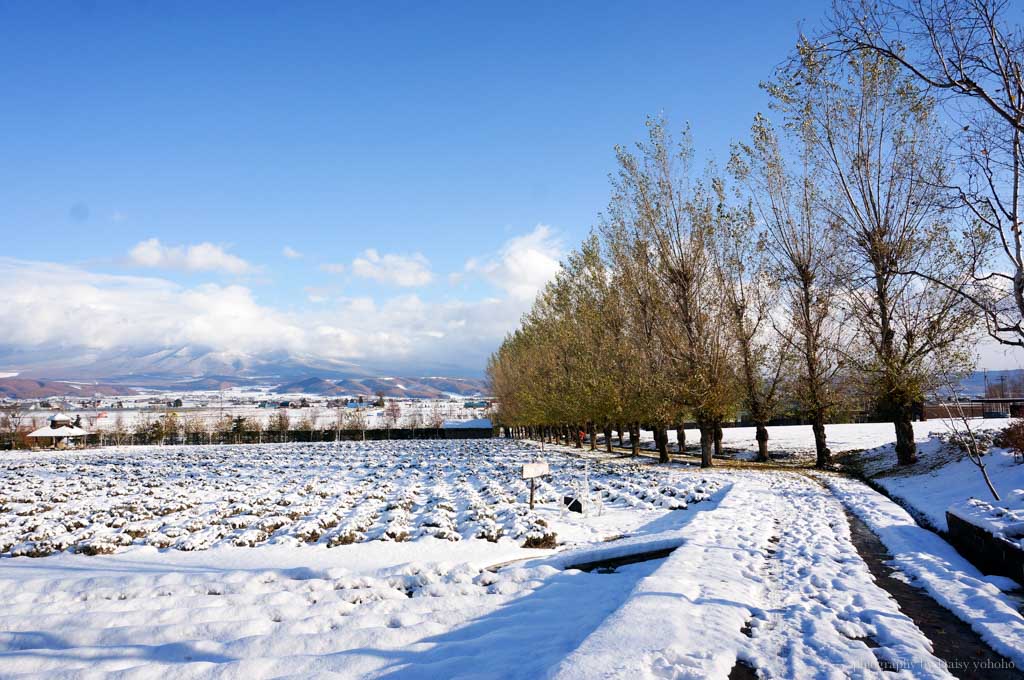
[{"x": 383, "y": 183}]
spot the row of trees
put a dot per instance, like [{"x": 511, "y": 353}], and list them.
[
  {"x": 197, "y": 427},
  {"x": 851, "y": 250}
]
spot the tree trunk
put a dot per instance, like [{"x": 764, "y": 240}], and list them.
[
  {"x": 577, "y": 436},
  {"x": 661, "y": 439},
  {"x": 822, "y": 453},
  {"x": 634, "y": 438},
  {"x": 707, "y": 438},
  {"x": 681, "y": 438},
  {"x": 593, "y": 436},
  {"x": 718, "y": 440},
  {"x": 619, "y": 427},
  {"x": 906, "y": 449},
  {"x": 608, "y": 438},
  {"x": 762, "y": 443}
]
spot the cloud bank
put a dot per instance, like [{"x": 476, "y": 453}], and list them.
[{"x": 75, "y": 310}]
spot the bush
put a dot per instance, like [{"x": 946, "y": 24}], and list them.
[
  {"x": 546, "y": 541},
  {"x": 1012, "y": 437}
]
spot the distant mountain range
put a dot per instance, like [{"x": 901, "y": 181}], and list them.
[
  {"x": 58, "y": 372},
  {"x": 406, "y": 388},
  {"x": 61, "y": 371},
  {"x": 974, "y": 384},
  {"x": 413, "y": 388},
  {"x": 28, "y": 388}
]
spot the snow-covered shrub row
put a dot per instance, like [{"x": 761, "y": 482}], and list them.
[{"x": 196, "y": 497}]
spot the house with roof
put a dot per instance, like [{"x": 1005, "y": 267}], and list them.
[{"x": 60, "y": 430}]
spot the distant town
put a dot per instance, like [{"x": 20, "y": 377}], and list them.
[{"x": 233, "y": 415}]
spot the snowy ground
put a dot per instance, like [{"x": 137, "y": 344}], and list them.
[
  {"x": 944, "y": 477},
  {"x": 194, "y": 498},
  {"x": 255, "y": 580},
  {"x": 798, "y": 441}
]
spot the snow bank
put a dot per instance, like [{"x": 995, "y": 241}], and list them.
[
  {"x": 934, "y": 565},
  {"x": 688, "y": 613},
  {"x": 999, "y": 520},
  {"x": 933, "y": 491}
]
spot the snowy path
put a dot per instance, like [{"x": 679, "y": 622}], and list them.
[
  {"x": 934, "y": 565},
  {"x": 775, "y": 554}
]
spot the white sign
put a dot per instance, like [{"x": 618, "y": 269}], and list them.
[{"x": 531, "y": 470}]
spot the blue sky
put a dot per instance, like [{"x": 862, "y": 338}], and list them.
[{"x": 438, "y": 136}]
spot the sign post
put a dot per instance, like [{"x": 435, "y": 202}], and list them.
[{"x": 532, "y": 471}]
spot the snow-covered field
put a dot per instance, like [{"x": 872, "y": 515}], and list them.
[
  {"x": 194, "y": 498},
  {"x": 407, "y": 559}
]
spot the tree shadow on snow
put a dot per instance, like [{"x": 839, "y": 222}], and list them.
[
  {"x": 49, "y": 646},
  {"x": 522, "y": 638}
]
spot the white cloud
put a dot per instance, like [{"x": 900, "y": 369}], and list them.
[
  {"x": 199, "y": 257},
  {"x": 406, "y": 271},
  {"x": 52, "y": 303},
  {"x": 523, "y": 264},
  {"x": 291, "y": 253},
  {"x": 60, "y": 311},
  {"x": 333, "y": 268}
]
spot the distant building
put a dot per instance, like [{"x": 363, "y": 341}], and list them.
[{"x": 61, "y": 431}]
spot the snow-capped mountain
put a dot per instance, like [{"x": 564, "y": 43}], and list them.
[{"x": 198, "y": 368}]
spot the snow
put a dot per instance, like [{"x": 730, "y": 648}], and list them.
[
  {"x": 770, "y": 555},
  {"x": 422, "y": 607},
  {"x": 414, "y": 622},
  {"x": 935, "y": 566},
  {"x": 406, "y": 559},
  {"x": 944, "y": 477},
  {"x": 64, "y": 431},
  {"x": 798, "y": 440},
  {"x": 474, "y": 423},
  {"x": 323, "y": 495},
  {"x": 999, "y": 520}
]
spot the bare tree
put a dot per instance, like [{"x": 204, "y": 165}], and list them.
[
  {"x": 970, "y": 55},
  {"x": 355, "y": 419},
  {"x": 801, "y": 254},
  {"x": 339, "y": 421},
  {"x": 963, "y": 434},
  {"x": 12, "y": 418},
  {"x": 749, "y": 293},
  {"x": 193, "y": 426},
  {"x": 118, "y": 430},
  {"x": 874, "y": 139},
  {"x": 392, "y": 413},
  {"x": 678, "y": 218},
  {"x": 280, "y": 424},
  {"x": 435, "y": 417}
]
